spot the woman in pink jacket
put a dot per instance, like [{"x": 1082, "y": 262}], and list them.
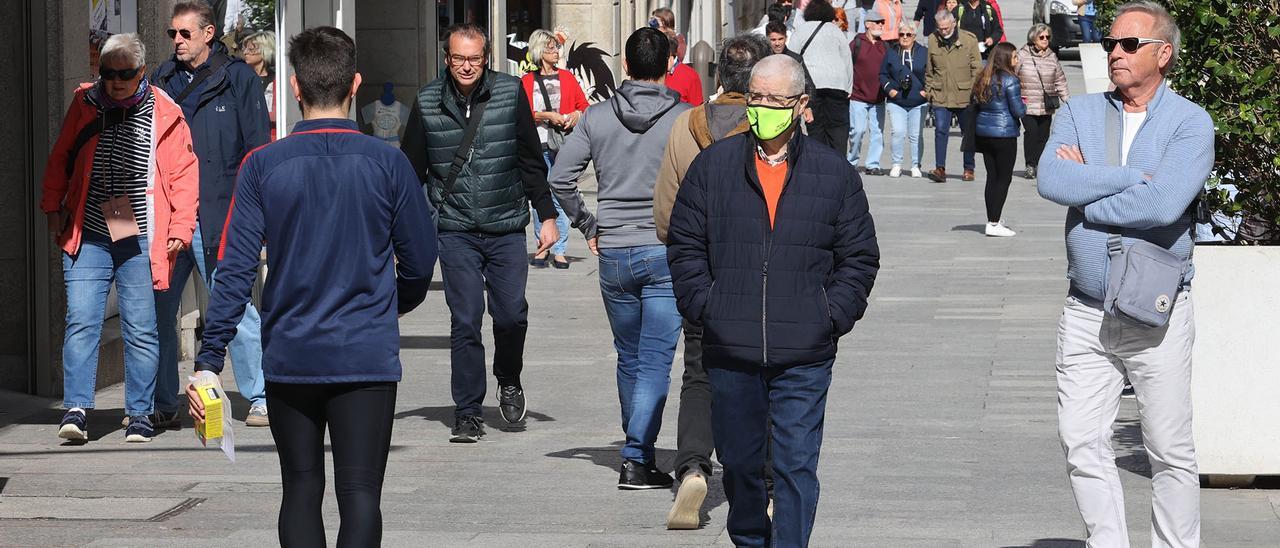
[{"x": 120, "y": 191}]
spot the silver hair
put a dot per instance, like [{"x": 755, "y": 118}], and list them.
[
  {"x": 906, "y": 24},
  {"x": 1165, "y": 29},
  {"x": 1036, "y": 29},
  {"x": 944, "y": 17},
  {"x": 538, "y": 42},
  {"x": 128, "y": 47},
  {"x": 781, "y": 65},
  {"x": 266, "y": 42}
]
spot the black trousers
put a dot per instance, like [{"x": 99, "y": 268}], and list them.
[
  {"x": 831, "y": 119},
  {"x": 1035, "y": 133},
  {"x": 694, "y": 440},
  {"x": 358, "y": 416},
  {"x": 998, "y": 155}
]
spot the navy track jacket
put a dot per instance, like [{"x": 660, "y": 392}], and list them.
[{"x": 335, "y": 209}]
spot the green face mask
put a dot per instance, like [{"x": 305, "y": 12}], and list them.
[{"x": 769, "y": 122}]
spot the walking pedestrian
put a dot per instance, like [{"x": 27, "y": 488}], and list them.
[
  {"x": 923, "y": 16},
  {"x": 323, "y": 196},
  {"x": 259, "y": 52},
  {"x": 1087, "y": 18},
  {"x": 953, "y": 64},
  {"x": 1044, "y": 86},
  {"x": 998, "y": 97},
  {"x": 980, "y": 19},
  {"x": 776, "y": 32},
  {"x": 776, "y": 259},
  {"x": 120, "y": 191},
  {"x": 472, "y": 140},
  {"x": 866, "y": 101},
  {"x": 558, "y": 102},
  {"x": 1128, "y": 164},
  {"x": 825, "y": 52},
  {"x": 223, "y": 101},
  {"x": 693, "y": 132},
  {"x": 902, "y": 77},
  {"x": 682, "y": 77},
  {"x": 625, "y": 138}
]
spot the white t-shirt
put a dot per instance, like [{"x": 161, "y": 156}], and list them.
[
  {"x": 387, "y": 121},
  {"x": 1132, "y": 121}
]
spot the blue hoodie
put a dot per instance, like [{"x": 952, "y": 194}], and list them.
[{"x": 336, "y": 210}]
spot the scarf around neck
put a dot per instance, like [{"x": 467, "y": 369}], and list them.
[{"x": 102, "y": 98}]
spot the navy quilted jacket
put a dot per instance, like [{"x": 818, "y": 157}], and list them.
[{"x": 775, "y": 297}]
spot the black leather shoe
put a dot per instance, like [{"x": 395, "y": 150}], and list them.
[
  {"x": 638, "y": 475},
  {"x": 562, "y": 265},
  {"x": 539, "y": 263}
]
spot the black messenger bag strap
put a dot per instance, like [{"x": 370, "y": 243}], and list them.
[
  {"x": 203, "y": 74},
  {"x": 464, "y": 148},
  {"x": 811, "y": 37},
  {"x": 99, "y": 125}
]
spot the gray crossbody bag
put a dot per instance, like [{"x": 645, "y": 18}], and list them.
[{"x": 1143, "y": 279}]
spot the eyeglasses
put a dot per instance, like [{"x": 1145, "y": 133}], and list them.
[
  {"x": 551, "y": 47},
  {"x": 459, "y": 61},
  {"x": 1130, "y": 44},
  {"x": 907, "y": 34},
  {"x": 123, "y": 75},
  {"x": 186, "y": 34},
  {"x": 764, "y": 99},
  {"x": 251, "y": 50}
]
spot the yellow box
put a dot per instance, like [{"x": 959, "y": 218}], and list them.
[{"x": 211, "y": 428}]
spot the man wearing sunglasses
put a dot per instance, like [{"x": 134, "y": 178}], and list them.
[
  {"x": 223, "y": 101},
  {"x": 773, "y": 250},
  {"x": 1128, "y": 165}
]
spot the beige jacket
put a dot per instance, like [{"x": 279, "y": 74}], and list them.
[
  {"x": 1051, "y": 79},
  {"x": 690, "y": 133}
]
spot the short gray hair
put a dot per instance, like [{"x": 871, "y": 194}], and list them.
[
  {"x": 781, "y": 65},
  {"x": 906, "y": 24},
  {"x": 1035, "y": 31},
  {"x": 944, "y": 17},
  {"x": 538, "y": 42},
  {"x": 1166, "y": 27},
  {"x": 128, "y": 47}
]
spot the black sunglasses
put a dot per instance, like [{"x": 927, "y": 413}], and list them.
[
  {"x": 122, "y": 74},
  {"x": 1130, "y": 44},
  {"x": 186, "y": 34}
]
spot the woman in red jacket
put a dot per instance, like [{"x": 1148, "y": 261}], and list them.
[{"x": 557, "y": 101}]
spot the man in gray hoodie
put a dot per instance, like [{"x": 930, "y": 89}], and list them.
[{"x": 626, "y": 136}]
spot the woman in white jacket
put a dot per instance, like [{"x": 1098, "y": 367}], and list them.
[{"x": 825, "y": 50}]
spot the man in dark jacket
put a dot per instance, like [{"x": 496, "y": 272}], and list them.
[
  {"x": 222, "y": 100},
  {"x": 483, "y": 188},
  {"x": 978, "y": 17},
  {"x": 773, "y": 250}
]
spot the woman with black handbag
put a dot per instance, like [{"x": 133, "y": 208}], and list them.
[
  {"x": 557, "y": 101},
  {"x": 1044, "y": 86}
]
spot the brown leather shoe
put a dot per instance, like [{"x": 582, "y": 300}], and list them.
[
  {"x": 938, "y": 175},
  {"x": 968, "y": 174}
]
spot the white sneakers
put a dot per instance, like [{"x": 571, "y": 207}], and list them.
[
  {"x": 915, "y": 172},
  {"x": 998, "y": 230},
  {"x": 896, "y": 171}
]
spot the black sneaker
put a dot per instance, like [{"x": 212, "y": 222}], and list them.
[
  {"x": 1029, "y": 173},
  {"x": 139, "y": 430},
  {"x": 73, "y": 426},
  {"x": 467, "y": 429},
  {"x": 511, "y": 403},
  {"x": 638, "y": 475}
]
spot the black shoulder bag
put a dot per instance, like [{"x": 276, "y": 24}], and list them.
[{"x": 1051, "y": 100}]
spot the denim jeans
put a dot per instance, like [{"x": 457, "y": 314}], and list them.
[
  {"x": 88, "y": 276},
  {"x": 245, "y": 348},
  {"x": 942, "y": 130},
  {"x": 783, "y": 408},
  {"x": 866, "y": 118},
  {"x": 636, "y": 285},
  {"x": 1089, "y": 32},
  {"x": 562, "y": 220},
  {"x": 907, "y": 128}
]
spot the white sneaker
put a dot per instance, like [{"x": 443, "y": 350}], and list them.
[
  {"x": 896, "y": 171},
  {"x": 998, "y": 230},
  {"x": 915, "y": 172}
]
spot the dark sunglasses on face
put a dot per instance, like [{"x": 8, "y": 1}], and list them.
[
  {"x": 186, "y": 34},
  {"x": 122, "y": 74},
  {"x": 907, "y": 34},
  {"x": 1043, "y": 37},
  {"x": 1130, "y": 44}
]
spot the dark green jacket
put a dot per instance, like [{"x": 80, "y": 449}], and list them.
[{"x": 506, "y": 171}]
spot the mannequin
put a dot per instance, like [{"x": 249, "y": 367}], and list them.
[{"x": 386, "y": 116}]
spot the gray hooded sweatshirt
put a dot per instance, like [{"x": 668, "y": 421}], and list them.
[{"x": 626, "y": 137}]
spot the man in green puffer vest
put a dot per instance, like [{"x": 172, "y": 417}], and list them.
[{"x": 483, "y": 204}]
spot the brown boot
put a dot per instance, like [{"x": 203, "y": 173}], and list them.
[
  {"x": 938, "y": 175},
  {"x": 968, "y": 174}
]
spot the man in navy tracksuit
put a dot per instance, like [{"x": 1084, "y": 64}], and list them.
[{"x": 337, "y": 210}]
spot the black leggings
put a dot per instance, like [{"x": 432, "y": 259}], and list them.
[
  {"x": 359, "y": 418},
  {"x": 1034, "y": 136},
  {"x": 999, "y": 155}
]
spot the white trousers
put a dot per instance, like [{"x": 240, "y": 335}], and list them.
[{"x": 1095, "y": 353}]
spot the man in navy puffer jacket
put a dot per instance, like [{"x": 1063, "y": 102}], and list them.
[{"x": 773, "y": 250}]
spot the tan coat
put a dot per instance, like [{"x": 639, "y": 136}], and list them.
[
  {"x": 689, "y": 135},
  {"x": 1050, "y": 79},
  {"x": 950, "y": 72}
]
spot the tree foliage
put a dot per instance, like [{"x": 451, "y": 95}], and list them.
[{"x": 260, "y": 14}]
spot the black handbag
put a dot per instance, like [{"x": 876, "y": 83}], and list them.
[{"x": 1051, "y": 100}]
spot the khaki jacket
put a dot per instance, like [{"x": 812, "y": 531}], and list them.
[
  {"x": 689, "y": 136},
  {"x": 950, "y": 72}
]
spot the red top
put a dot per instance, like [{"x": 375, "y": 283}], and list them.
[
  {"x": 686, "y": 81},
  {"x": 572, "y": 99}
]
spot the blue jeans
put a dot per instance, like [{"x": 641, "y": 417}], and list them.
[
  {"x": 782, "y": 407},
  {"x": 857, "y": 18},
  {"x": 1089, "y": 32},
  {"x": 88, "y": 275},
  {"x": 866, "y": 118},
  {"x": 907, "y": 127},
  {"x": 636, "y": 285},
  {"x": 245, "y": 348},
  {"x": 942, "y": 130},
  {"x": 562, "y": 220}
]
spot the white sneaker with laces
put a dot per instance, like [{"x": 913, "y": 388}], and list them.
[
  {"x": 896, "y": 171},
  {"x": 915, "y": 172},
  {"x": 998, "y": 230}
]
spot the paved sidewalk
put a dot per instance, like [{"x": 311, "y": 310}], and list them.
[{"x": 941, "y": 426}]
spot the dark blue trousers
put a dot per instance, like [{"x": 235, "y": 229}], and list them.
[
  {"x": 747, "y": 407},
  {"x": 473, "y": 265}
]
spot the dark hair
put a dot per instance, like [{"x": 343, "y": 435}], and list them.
[
  {"x": 1001, "y": 61},
  {"x": 647, "y": 51},
  {"x": 324, "y": 62},
  {"x": 775, "y": 27},
  {"x": 738, "y": 55},
  {"x": 469, "y": 30},
  {"x": 202, "y": 10},
  {"x": 819, "y": 11},
  {"x": 777, "y": 12}
]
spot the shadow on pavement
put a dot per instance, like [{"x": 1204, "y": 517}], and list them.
[
  {"x": 980, "y": 229},
  {"x": 1053, "y": 543},
  {"x": 492, "y": 418}
]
